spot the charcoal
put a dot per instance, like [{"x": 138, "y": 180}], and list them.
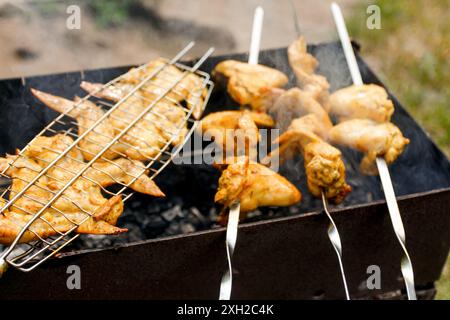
[
  {"x": 154, "y": 227},
  {"x": 187, "y": 228},
  {"x": 172, "y": 213}
]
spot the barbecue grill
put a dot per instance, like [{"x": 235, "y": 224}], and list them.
[{"x": 174, "y": 249}]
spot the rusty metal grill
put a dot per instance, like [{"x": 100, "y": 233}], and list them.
[{"x": 161, "y": 82}]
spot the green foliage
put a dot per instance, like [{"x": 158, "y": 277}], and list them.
[{"x": 111, "y": 12}]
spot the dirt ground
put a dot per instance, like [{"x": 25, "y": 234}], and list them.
[{"x": 35, "y": 40}]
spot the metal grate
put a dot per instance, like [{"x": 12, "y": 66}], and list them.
[{"x": 160, "y": 84}]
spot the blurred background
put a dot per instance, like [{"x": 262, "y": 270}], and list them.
[{"x": 411, "y": 51}]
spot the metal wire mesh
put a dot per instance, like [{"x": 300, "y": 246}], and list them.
[{"x": 82, "y": 137}]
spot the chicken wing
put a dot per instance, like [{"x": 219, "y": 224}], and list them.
[
  {"x": 103, "y": 173},
  {"x": 59, "y": 217},
  {"x": 236, "y": 131},
  {"x": 138, "y": 143},
  {"x": 166, "y": 117},
  {"x": 190, "y": 88},
  {"x": 325, "y": 170},
  {"x": 304, "y": 66},
  {"x": 364, "y": 102},
  {"x": 21, "y": 173},
  {"x": 245, "y": 81},
  {"x": 254, "y": 185},
  {"x": 11, "y": 223},
  {"x": 373, "y": 138}
]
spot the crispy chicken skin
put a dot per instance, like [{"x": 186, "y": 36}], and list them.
[
  {"x": 165, "y": 119},
  {"x": 323, "y": 163},
  {"x": 104, "y": 173},
  {"x": 304, "y": 65},
  {"x": 245, "y": 81},
  {"x": 254, "y": 185},
  {"x": 296, "y": 103},
  {"x": 86, "y": 114},
  {"x": 63, "y": 214},
  {"x": 189, "y": 89},
  {"x": 368, "y": 101},
  {"x": 103, "y": 222},
  {"x": 82, "y": 199},
  {"x": 372, "y": 138},
  {"x": 225, "y": 126},
  {"x": 139, "y": 143}
]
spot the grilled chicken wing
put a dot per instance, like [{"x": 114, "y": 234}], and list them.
[
  {"x": 254, "y": 185},
  {"x": 139, "y": 143},
  {"x": 23, "y": 171},
  {"x": 63, "y": 215},
  {"x": 372, "y": 138},
  {"x": 325, "y": 170},
  {"x": 78, "y": 202},
  {"x": 104, "y": 173},
  {"x": 86, "y": 114},
  {"x": 295, "y": 103},
  {"x": 304, "y": 66},
  {"x": 167, "y": 117},
  {"x": 364, "y": 102},
  {"x": 82, "y": 195},
  {"x": 50, "y": 224},
  {"x": 226, "y": 127},
  {"x": 245, "y": 81},
  {"x": 190, "y": 88}
]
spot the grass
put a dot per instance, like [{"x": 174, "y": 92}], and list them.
[
  {"x": 111, "y": 13},
  {"x": 412, "y": 52}
]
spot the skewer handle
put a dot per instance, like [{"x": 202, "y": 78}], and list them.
[
  {"x": 394, "y": 212},
  {"x": 346, "y": 44},
  {"x": 233, "y": 216},
  {"x": 255, "y": 42}
]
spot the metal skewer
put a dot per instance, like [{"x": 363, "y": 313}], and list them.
[
  {"x": 233, "y": 215},
  {"x": 394, "y": 212},
  {"x": 333, "y": 233}
]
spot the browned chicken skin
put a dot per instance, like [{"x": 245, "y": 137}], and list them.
[
  {"x": 372, "y": 138},
  {"x": 367, "y": 101},
  {"x": 104, "y": 173},
  {"x": 78, "y": 202},
  {"x": 50, "y": 224},
  {"x": 325, "y": 170},
  {"x": 254, "y": 185},
  {"x": 139, "y": 143},
  {"x": 189, "y": 89},
  {"x": 236, "y": 132},
  {"x": 63, "y": 215},
  {"x": 165, "y": 119},
  {"x": 246, "y": 81}
]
